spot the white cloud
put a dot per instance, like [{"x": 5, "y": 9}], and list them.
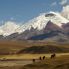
[
  {"x": 63, "y": 2},
  {"x": 53, "y": 4},
  {"x": 65, "y": 11}
]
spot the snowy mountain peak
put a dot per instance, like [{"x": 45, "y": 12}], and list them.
[
  {"x": 50, "y": 14},
  {"x": 39, "y": 22},
  {"x": 56, "y": 18}
]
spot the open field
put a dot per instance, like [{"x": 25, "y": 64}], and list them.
[
  {"x": 12, "y": 47},
  {"x": 59, "y": 62},
  {"x": 29, "y": 56},
  {"x": 11, "y": 59}
]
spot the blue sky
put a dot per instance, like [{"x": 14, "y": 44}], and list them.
[{"x": 24, "y": 10}]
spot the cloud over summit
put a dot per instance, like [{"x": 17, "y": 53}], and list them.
[{"x": 65, "y": 11}]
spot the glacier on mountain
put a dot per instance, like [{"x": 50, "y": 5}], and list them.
[{"x": 39, "y": 22}]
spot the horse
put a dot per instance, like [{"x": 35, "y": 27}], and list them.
[
  {"x": 43, "y": 57},
  {"x": 53, "y": 55},
  {"x": 40, "y": 58},
  {"x": 33, "y": 60}
]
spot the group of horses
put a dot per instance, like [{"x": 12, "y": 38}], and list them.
[{"x": 43, "y": 58}]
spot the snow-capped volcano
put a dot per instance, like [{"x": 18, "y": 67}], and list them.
[{"x": 39, "y": 22}]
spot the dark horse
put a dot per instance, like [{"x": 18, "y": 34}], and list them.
[
  {"x": 40, "y": 58},
  {"x": 53, "y": 55},
  {"x": 43, "y": 57},
  {"x": 33, "y": 60}
]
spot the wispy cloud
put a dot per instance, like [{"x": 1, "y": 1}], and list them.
[
  {"x": 63, "y": 2},
  {"x": 65, "y": 11},
  {"x": 53, "y": 4}
]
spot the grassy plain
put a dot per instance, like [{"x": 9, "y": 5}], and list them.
[
  {"x": 12, "y": 47},
  {"x": 56, "y": 63},
  {"x": 9, "y": 49},
  {"x": 61, "y": 62}
]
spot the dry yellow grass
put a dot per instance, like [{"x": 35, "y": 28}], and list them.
[
  {"x": 60, "y": 62},
  {"x": 56, "y": 63},
  {"x": 30, "y": 56}
]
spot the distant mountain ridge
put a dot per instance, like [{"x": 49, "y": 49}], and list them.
[{"x": 47, "y": 25}]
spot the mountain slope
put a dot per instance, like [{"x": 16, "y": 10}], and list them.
[
  {"x": 51, "y": 27},
  {"x": 46, "y": 25},
  {"x": 41, "y": 21}
]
